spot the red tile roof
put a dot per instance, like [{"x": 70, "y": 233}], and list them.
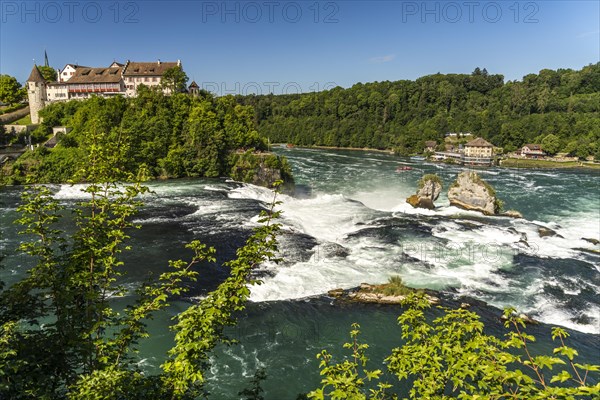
[
  {"x": 147, "y": 68},
  {"x": 96, "y": 75},
  {"x": 479, "y": 142}
]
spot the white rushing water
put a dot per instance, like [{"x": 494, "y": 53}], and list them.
[
  {"x": 466, "y": 252},
  {"x": 355, "y": 227}
]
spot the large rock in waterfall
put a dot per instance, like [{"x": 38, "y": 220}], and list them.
[
  {"x": 470, "y": 192},
  {"x": 430, "y": 187}
]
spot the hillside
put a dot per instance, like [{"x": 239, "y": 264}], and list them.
[{"x": 404, "y": 114}]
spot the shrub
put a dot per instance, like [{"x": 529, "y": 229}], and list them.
[
  {"x": 396, "y": 287},
  {"x": 430, "y": 177}
]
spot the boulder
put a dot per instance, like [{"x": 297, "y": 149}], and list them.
[
  {"x": 470, "y": 192},
  {"x": 332, "y": 250},
  {"x": 429, "y": 190},
  {"x": 335, "y": 293},
  {"x": 544, "y": 232},
  {"x": 512, "y": 214},
  {"x": 420, "y": 202},
  {"x": 595, "y": 242}
]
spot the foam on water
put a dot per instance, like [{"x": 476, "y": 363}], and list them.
[
  {"x": 356, "y": 227},
  {"x": 466, "y": 251},
  {"x": 71, "y": 192}
]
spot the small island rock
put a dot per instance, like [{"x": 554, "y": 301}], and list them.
[
  {"x": 470, "y": 192},
  {"x": 430, "y": 187}
]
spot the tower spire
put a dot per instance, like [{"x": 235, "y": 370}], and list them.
[{"x": 45, "y": 58}]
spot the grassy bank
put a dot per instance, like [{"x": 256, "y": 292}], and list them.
[
  {"x": 26, "y": 120},
  {"x": 529, "y": 163}
]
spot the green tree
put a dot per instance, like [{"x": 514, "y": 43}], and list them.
[
  {"x": 551, "y": 144},
  {"x": 48, "y": 73},
  {"x": 11, "y": 91},
  {"x": 175, "y": 80},
  {"x": 452, "y": 357},
  {"x": 398, "y": 115},
  {"x": 170, "y": 135},
  {"x": 60, "y": 335}
]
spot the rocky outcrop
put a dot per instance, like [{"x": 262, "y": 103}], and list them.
[
  {"x": 262, "y": 169},
  {"x": 430, "y": 187},
  {"x": 368, "y": 293},
  {"x": 595, "y": 242},
  {"x": 470, "y": 192},
  {"x": 265, "y": 176}
]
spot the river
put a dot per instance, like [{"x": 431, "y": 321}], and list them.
[{"x": 349, "y": 223}]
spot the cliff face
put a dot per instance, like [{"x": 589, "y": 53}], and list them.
[
  {"x": 262, "y": 169},
  {"x": 470, "y": 192},
  {"x": 265, "y": 176}
]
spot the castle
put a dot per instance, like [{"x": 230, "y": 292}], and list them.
[{"x": 80, "y": 82}]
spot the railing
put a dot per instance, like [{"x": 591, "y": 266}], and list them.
[{"x": 94, "y": 88}]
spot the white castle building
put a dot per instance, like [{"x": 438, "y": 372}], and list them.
[{"x": 80, "y": 82}]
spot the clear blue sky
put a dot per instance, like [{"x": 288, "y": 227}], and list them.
[{"x": 273, "y": 45}]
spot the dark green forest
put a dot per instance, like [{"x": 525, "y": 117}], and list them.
[
  {"x": 168, "y": 136},
  {"x": 402, "y": 115}
]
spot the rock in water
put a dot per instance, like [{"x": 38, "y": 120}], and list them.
[
  {"x": 593, "y": 241},
  {"x": 544, "y": 232},
  {"x": 335, "y": 293},
  {"x": 512, "y": 214},
  {"x": 420, "y": 202},
  {"x": 430, "y": 187},
  {"x": 470, "y": 192}
]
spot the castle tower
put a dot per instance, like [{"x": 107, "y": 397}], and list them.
[
  {"x": 36, "y": 93},
  {"x": 194, "y": 89}
]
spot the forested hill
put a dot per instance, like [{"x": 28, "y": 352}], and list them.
[
  {"x": 166, "y": 136},
  {"x": 404, "y": 114}
]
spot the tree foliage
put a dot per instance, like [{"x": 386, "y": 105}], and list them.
[
  {"x": 171, "y": 136},
  {"x": 61, "y": 335},
  {"x": 49, "y": 73},
  {"x": 551, "y": 144},
  {"x": 402, "y": 115},
  {"x": 11, "y": 91},
  {"x": 175, "y": 80},
  {"x": 452, "y": 357},
  {"x": 430, "y": 177}
]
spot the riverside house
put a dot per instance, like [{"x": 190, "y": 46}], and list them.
[
  {"x": 478, "y": 152},
  {"x": 430, "y": 146},
  {"x": 532, "y": 151}
]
